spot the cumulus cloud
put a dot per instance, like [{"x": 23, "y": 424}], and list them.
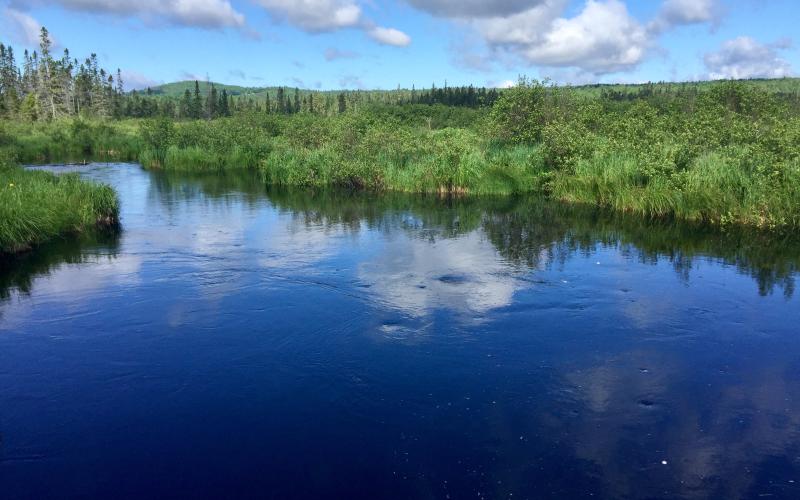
[
  {"x": 208, "y": 14},
  {"x": 744, "y": 57},
  {"x": 315, "y": 16},
  {"x": 321, "y": 16},
  {"x": 21, "y": 27},
  {"x": 683, "y": 12},
  {"x": 602, "y": 38},
  {"x": 389, "y": 36}
]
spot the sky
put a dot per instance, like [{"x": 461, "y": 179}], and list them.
[{"x": 383, "y": 44}]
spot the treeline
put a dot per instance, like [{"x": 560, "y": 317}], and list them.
[
  {"x": 46, "y": 87},
  {"x": 43, "y": 86},
  {"x": 467, "y": 96}
]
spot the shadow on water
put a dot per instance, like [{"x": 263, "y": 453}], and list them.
[
  {"x": 533, "y": 232},
  {"x": 17, "y": 272},
  {"x": 528, "y": 232}
]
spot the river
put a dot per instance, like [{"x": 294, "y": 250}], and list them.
[{"x": 235, "y": 341}]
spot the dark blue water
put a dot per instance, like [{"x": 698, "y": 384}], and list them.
[{"x": 235, "y": 342}]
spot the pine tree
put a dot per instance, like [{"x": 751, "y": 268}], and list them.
[
  {"x": 47, "y": 81},
  {"x": 342, "y": 103},
  {"x": 281, "y": 101},
  {"x": 211, "y": 103},
  {"x": 185, "y": 108},
  {"x": 224, "y": 110},
  {"x": 197, "y": 102}
]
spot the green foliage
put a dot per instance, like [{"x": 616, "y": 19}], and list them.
[
  {"x": 69, "y": 140},
  {"x": 157, "y": 135},
  {"x": 728, "y": 153},
  {"x": 518, "y": 117},
  {"x": 37, "y": 206}
]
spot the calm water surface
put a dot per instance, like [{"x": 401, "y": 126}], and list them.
[{"x": 235, "y": 342}]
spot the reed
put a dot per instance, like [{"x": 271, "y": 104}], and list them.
[{"x": 37, "y": 206}]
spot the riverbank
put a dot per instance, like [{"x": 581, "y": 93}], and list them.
[
  {"x": 729, "y": 154},
  {"x": 38, "y": 206}
]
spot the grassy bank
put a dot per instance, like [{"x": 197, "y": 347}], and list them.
[
  {"x": 723, "y": 153},
  {"x": 727, "y": 155},
  {"x": 69, "y": 140},
  {"x": 38, "y": 206}
]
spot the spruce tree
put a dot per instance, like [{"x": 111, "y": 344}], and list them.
[
  {"x": 342, "y": 103},
  {"x": 185, "y": 108},
  {"x": 212, "y": 101},
  {"x": 281, "y": 101},
  {"x": 224, "y": 109},
  {"x": 197, "y": 102}
]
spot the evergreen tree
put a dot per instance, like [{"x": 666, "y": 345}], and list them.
[
  {"x": 224, "y": 109},
  {"x": 211, "y": 103},
  {"x": 342, "y": 103},
  {"x": 197, "y": 102},
  {"x": 185, "y": 108},
  {"x": 47, "y": 79},
  {"x": 281, "y": 101}
]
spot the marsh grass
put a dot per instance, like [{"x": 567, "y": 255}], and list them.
[
  {"x": 36, "y": 206},
  {"x": 69, "y": 141},
  {"x": 727, "y": 155}
]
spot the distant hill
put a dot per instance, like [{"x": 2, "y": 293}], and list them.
[
  {"x": 777, "y": 85},
  {"x": 177, "y": 89}
]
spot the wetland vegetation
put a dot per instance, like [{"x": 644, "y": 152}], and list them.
[{"x": 716, "y": 152}]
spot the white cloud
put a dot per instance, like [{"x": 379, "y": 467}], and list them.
[
  {"x": 22, "y": 27},
  {"x": 209, "y": 14},
  {"x": 315, "y": 16},
  {"x": 744, "y": 57},
  {"x": 321, "y": 16},
  {"x": 682, "y": 12},
  {"x": 602, "y": 38},
  {"x": 389, "y": 36}
]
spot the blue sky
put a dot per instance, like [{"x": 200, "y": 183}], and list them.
[{"x": 330, "y": 44}]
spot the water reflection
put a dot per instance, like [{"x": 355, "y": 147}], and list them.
[
  {"x": 17, "y": 273},
  {"x": 462, "y": 347}
]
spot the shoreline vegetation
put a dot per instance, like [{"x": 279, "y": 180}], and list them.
[
  {"x": 727, "y": 154},
  {"x": 719, "y": 153},
  {"x": 37, "y": 206}
]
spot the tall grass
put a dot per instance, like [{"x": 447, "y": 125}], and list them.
[
  {"x": 714, "y": 189},
  {"x": 729, "y": 154},
  {"x": 69, "y": 141},
  {"x": 36, "y": 206}
]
